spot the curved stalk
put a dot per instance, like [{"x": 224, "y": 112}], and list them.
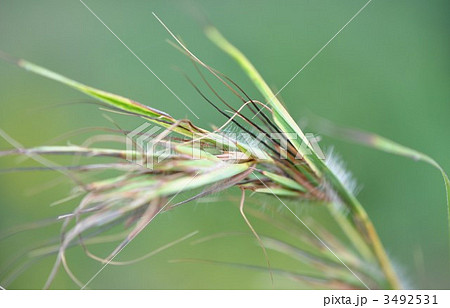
[{"x": 375, "y": 243}]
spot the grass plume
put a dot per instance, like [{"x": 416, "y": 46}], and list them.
[{"x": 201, "y": 162}]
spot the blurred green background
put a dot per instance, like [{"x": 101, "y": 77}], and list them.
[{"x": 387, "y": 72}]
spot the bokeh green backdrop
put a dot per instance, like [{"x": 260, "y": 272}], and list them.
[{"x": 387, "y": 72}]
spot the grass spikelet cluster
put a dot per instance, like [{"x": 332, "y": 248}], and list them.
[{"x": 200, "y": 162}]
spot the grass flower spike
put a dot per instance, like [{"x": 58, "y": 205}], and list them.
[{"x": 269, "y": 155}]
